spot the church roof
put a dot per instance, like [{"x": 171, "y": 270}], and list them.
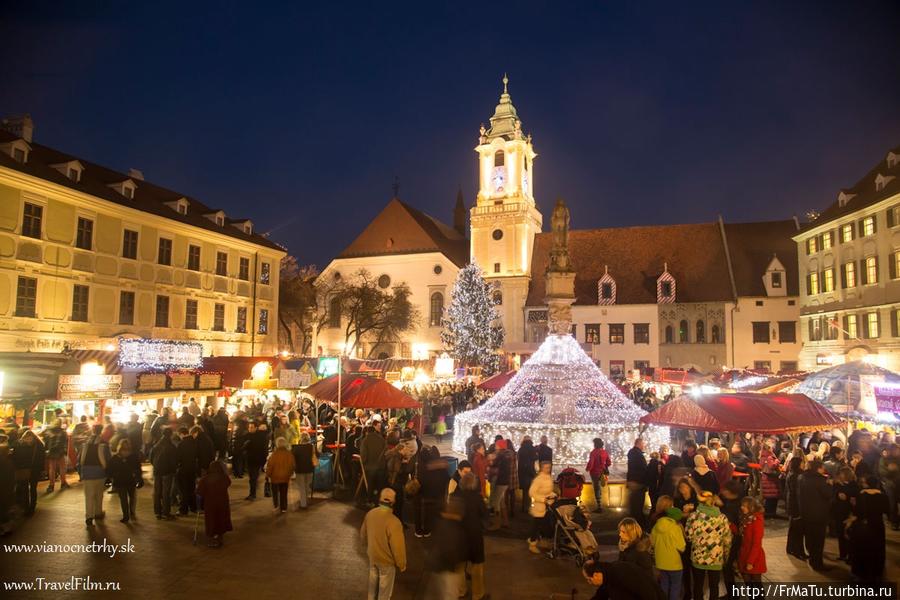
[
  {"x": 503, "y": 123},
  {"x": 693, "y": 253},
  {"x": 401, "y": 229}
]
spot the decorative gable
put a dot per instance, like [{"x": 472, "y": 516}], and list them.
[
  {"x": 844, "y": 197},
  {"x": 606, "y": 289},
  {"x": 881, "y": 181},
  {"x": 665, "y": 287},
  {"x": 775, "y": 279},
  {"x": 126, "y": 188}
]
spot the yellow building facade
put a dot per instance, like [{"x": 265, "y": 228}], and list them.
[{"x": 88, "y": 255}]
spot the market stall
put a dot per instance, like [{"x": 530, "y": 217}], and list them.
[
  {"x": 849, "y": 390},
  {"x": 27, "y": 378},
  {"x": 744, "y": 412},
  {"x": 493, "y": 383}
]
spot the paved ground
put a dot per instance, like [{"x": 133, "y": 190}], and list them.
[{"x": 310, "y": 554}]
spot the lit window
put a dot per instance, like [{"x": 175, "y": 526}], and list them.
[
  {"x": 896, "y": 264},
  {"x": 616, "y": 333},
  {"x": 871, "y": 270},
  {"x": 847, "y": 233},
  {"x": 592, "y": 333},
  {"x": 263, "y": 321},
  {"x": 868, "y": 225},
  {"x": 872, "y": 325},
  {"x": 812, "y": 245},
  {"x": 241, "y": 321},
  {"x": 851, "y": 327},
  {"x": 828, "y": 282},
  {"x": 850, "y": 274},
  {"x": 813, "y": 283},
  {"x": 826, "y": 240},
  {"x": 265, "y": 273}
]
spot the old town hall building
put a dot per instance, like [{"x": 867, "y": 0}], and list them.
[{"x": 699, "y": 296}]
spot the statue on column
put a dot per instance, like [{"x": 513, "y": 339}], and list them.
[{"x": 559, "y": 254}]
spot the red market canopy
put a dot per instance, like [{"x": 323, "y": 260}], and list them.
[
  {"x": 361, "y": 391},
  {"x": 755, "y": 413},
  {"x": 495, "y": 382}
]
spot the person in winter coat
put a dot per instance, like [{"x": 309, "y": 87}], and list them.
[
  {"x": 621, "y": 581},
  {"x": 769, "y": 479},
  {"x": 434, "y": 479},
  {"x": 672, "y": 474},
  {"x": 305, "y": 461},
  {"x": 382, "y": 533},
  {"x": 703, "y": 476},
  {"x": 539, "y": 493},
  {"x": 634, "y": 545},
  {"x": 814, "y": 497},
  {"x": 480, "y": 466},
  {"x": 206, "y": 450},
  {"x": 93, "y": 474},
  {"x": 867, "y": 535},
  {"x": 124, "y": 469},
  {"x": 731, "y": 495},
  {"x": 710, "y": 537},
  {"x": 279, "y": 469},
  {"x": 598, "y": 468},
  {"x": 846, "y": 490},
  {"x": 56, "y": 442},
  {"x": 28, "y": 461},
  {"x": 256, "y": 449},
  {"x": 213, "y": 491},
  {"x": 188, "y": 470},
  {"x": 725, "y": 470},
  {"x": 752, "y": 557},
  {"x": 527, "y": 457},
  {"x": 474, "y": 512},
  {"x": 795, "y": 525},
  {"x": 164, "y": 458},
  {"x": 668, "y": 544},
  {"x": 635, "y": 480},
  {"x": 448, "y": 551},
  {"x": 371, "y": 454}
]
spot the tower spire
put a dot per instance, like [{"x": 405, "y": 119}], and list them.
[{"x": 505, "y": 83}]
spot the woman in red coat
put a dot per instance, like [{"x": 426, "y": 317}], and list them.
[
  {"x": 752, "y": 557},
  {"x": 213, "y": 490}
]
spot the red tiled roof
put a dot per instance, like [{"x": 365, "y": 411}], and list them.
[
  {"x": 636, "y": 257},
  {"x": 401, "y": 229}
]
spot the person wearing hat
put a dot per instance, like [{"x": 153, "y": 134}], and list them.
[
  {"x": 668, "y": 544},
  {"x": 704, "y": 476},
  {"x": 382, "y": 533}
]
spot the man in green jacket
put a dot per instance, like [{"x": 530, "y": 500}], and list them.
[
  {"x": 668, "y": 544},
  {"x": 383, "y": 534}
]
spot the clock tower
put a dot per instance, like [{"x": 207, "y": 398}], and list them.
[{"x": 505, "y": 218}]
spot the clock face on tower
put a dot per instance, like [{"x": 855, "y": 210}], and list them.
[{"x": 498, "y": 179}]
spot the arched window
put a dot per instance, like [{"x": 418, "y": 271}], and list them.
[
  {"x": 683, "y": 332},
  {"x": 715, "y": 335},
  {"x": 334, "y": 312},
  {"x": 499, "y": 158},
  {"x": 437, "y": 308},
  {"x": 670, "y": 334},
  {"x": 701, "y": 332}
]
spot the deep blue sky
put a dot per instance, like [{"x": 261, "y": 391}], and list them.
[{"x": 299, "y": 116}]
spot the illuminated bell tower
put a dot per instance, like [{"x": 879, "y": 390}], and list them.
[{"x": 505, "y": 218}]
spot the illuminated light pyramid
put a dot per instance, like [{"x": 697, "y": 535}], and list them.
[{"x": 559, "y": 392}]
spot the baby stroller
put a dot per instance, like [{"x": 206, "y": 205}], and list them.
[{"x": 572, "y": 535}]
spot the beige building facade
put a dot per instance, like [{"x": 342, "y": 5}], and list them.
[{"x": 89, "y": 255}]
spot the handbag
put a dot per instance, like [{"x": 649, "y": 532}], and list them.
[
  {"x": 267, "y": 489},
  {"x": 412, "y": 487}
]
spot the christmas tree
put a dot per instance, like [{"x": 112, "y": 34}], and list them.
[{"x": 472, "y": 332}]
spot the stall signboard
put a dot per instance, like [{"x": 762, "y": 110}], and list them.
[
  {"x": 182, "y": 381},
  {"x": 392, "y": 376},
  {"x": 329, "y": 365},
  {"x": 293, "y": 379},
  {"x": 151, "y": 382},
  {"x": 89, "y": 387},
  {"x": 887, "y": 398},
  {"x": 163, "y": 355},
  {"x": 209, "y": 381}
]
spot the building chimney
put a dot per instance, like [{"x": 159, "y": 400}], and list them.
[
  {"x": 136, "y": 174},
  {"x": 459, "y": 214},
  {"x": 20, "y": 125}
]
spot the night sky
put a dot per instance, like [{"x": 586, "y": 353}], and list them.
[{"x": 300, "y": 116}]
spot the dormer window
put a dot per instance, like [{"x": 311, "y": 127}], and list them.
[
  {"x": 126, "y": 188},
  {"x": 881, "y": 181},
  {"x": 606, "y": 289},
  {"x": 217, "y": 217},
  {"x": 892, "y": 160},
  {"x": 71, "y": 169},
  {"x": 844, "y": 197},
  {"x": 248, "y": 228},
  {"x": 245, "y": 225},
  {"x": 776, "y": 279},
  {"x": 17, "y": 149},
  {"x": 180, "y": 206},
  {"x": 665, "y": 287},
  {"x": 220, "y": 221}
]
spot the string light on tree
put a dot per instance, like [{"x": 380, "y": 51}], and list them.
[{"x": 472, "y": 333}]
